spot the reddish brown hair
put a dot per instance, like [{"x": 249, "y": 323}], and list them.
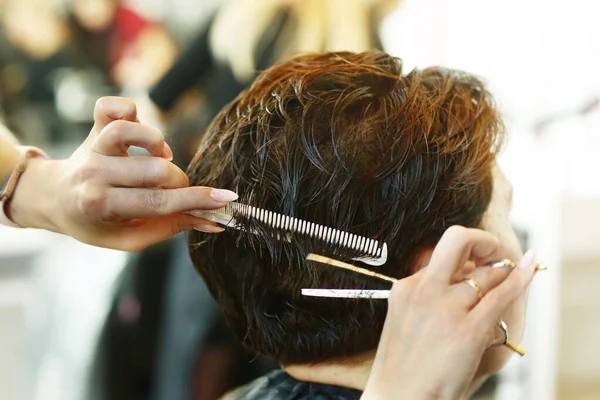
[{"x": 347, "y": 141}]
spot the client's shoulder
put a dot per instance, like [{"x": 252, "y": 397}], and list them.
[
  {"x": 266, "y": 387},
  {"x": 278, "y": 385}
]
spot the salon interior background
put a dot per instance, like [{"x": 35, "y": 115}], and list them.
[{"x": 541, "y": 60}]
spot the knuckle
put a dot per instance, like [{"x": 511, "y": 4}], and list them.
[
  {"x": 115, "y": 133},
  {"x": 457, "y": 232},
  {"x": 116, "y": 129},
  {"x": 157, "y": 200},
  {"x": 93, "y": 202},
  {"x": 495, "y": 240},
  {"x": 89, "y": 170},
  {"x": 156, "y": 172}
]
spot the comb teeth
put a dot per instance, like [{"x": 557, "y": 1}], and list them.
[{"x": 375, "y": 252}]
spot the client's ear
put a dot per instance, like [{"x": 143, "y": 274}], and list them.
[{"x": 421, "y": 260}]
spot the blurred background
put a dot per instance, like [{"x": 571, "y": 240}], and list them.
[{"x": 78, "y": 322}]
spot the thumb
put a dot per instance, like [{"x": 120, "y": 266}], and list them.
[{"x": 109, "y": 109}]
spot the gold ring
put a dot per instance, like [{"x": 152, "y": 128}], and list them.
[
  {"x": 473, "y": 283},
  {"x": 504, "y": 264}
]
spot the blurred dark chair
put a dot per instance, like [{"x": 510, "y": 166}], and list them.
[{"x": 165, "y": 338}]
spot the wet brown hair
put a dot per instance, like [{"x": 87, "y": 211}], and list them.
[{"x": 345, "y": 140}]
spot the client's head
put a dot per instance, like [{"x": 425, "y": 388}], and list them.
[{"x": 344, "y": 140}]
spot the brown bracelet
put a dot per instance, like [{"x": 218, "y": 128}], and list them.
[{"x": 11, "y": 184}]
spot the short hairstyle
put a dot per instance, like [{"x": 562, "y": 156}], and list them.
[{"x": 344, "y": 140}]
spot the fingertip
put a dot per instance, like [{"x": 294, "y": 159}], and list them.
[
  {"x": 223, "y": 195},
  {"x": 200, "y": 224},
  {"x": 525, "y": 270},
  {"x": 114, "y": 108},
  {"x": 191, "y": 199},
  {"x": 208, "y": 228},
  {"x": 155, "y": 143},
  {"x": 167, "y": 152},
  {"x": 528, "y": 260}
]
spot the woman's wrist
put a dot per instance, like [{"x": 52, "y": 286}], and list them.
[
  {"x": 9, "y": 154},
  {"x": 32, "y": 204}
]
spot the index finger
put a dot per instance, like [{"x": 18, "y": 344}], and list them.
[
  {"x": 118, "y": 136},
  {"x": 455, "y": 248},
  {"x": 135, "y": 203}
]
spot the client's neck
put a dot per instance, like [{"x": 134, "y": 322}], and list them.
[{"x": 351, "y": 373}]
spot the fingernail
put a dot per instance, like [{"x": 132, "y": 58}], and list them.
[
  {"x": 223, "y": 195},
  {"x": 167, "y": 153},
  {"x": 208, "y": 228},
  {"x": 527, "y": 260}
]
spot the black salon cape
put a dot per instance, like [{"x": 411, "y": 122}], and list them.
[{"x": 278, "y": 385}]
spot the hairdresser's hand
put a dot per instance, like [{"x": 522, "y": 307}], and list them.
[
  {"x": 104, "y": 197},
  {"x": 437, "y": 329}
]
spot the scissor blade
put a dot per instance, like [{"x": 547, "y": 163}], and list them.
[{"x": 347, "y": 293}]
